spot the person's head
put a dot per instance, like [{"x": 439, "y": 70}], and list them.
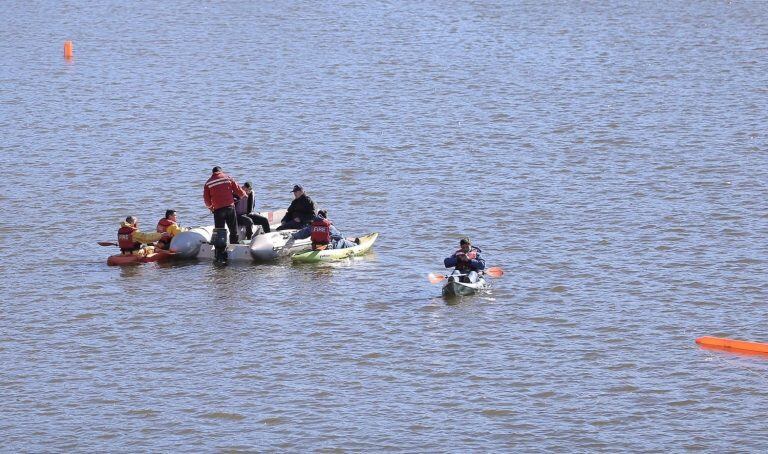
[
  {"x": 247, "y": 187},
  {"x": 465, "y": 244},
  {"x": 323, "y": 214},
  {"x": 216, "y": 169},
  {"x": 131, "y": 220},
  {"x": 298, "y": 190},
  {"x": 170, "y": 215}
]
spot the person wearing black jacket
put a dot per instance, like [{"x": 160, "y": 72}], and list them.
[
  {"x": 300, "y": 212},
  {"x": 245, "y": 215}
]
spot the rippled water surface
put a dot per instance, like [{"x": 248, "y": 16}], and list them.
[{"x": 610, "y": 156}]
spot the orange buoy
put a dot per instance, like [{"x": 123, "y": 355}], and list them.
[
  {"x": 67, "y": 49},
  {"x": 731, "y": 344}
]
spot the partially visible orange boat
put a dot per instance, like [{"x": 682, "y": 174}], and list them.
[
  {"x": 130, "y": 259},
  {"x": 732, "y": 344}
]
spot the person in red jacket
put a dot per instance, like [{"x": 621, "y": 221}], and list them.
[{"x": 219, "y": 194}]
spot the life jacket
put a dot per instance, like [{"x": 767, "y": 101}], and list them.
[
  {"x": 162, "y": 227},
  {"x": 471, "y": 255},
  {"x": 163, "y": 224},
  {"x": 125, "y": 239},
  {"x": 320, "y": 234}
]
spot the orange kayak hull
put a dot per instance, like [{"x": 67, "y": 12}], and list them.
[
  {"x": 123, "y": 260},
  {"x": 732, "y": 344}
]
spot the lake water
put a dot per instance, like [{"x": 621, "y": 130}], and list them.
[{"x": 609, "y": 156}]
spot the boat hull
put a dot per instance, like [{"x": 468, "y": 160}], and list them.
[
  {"x": 127, "y": 260},
  {"x": 328, "y": 255},
  {"x": 456, "y": 288},
  {"x": 277, "y": 245}
]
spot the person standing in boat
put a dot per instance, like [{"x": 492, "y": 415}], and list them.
[
  {"x": 132, "y": 241},
  {"x": 245, "y": 217},
  {"x": 168, "y": 224},
  {"x": 324, "y": 234},
  {"x": 466, "y": 261},
  {"x": 300, "y": 212},
  {"x": 219, "y": 195}
]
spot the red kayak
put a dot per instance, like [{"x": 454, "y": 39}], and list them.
[{"x": 130, "y": 259}]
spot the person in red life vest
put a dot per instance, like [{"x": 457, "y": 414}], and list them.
[
  {"x": 131, "y": 240},
  {"x": 467, "y": 261},
  {"x": 324, "y": 234},
  {"x": 219, "y": 195},
  {"x": 300, "y": 212},
  {"x": 168, "y": 225},
  {"x": 245, "y": 217}
]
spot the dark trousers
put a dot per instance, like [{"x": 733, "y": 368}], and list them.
[
  {"x": 227, "y": 216},
  {"x": 291, "y": 224},
  {"x": 260, "y": 220}
]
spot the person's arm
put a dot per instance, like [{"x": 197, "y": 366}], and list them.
[
  {"x": 289, "y": 212},
  {"x": 207, "y": 196},
  {"x": 451, "y": 261},
  {"x": 237, "y": 191},
  {"x": 303, "y": 233},
  {"x": 146, "y": 237},
  {"x": 478, "y": 262},
  {"x": 173, "y": 230}
]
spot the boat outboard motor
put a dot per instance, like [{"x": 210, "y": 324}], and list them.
[{"x": 219, "y": 241}]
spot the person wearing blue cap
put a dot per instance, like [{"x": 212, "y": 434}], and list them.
[{"x": 300, "y": 212}]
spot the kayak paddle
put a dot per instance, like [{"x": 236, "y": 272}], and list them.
[
  {"x": 494, "y": 271},
  {"x": 106, "y": 243}
]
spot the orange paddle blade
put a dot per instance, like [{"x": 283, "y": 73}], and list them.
[
  {"x": 494, "y": 271},
  {"x": 435, "y": 278},
  {"x": 106, "y": 243}
]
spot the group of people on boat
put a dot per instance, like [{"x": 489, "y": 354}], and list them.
[{"x": 232, "y": 205}]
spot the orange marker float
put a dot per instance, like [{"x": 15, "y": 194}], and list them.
[
  {"x": 732, "y": 344},
  {"x": 67, "y": 49}
]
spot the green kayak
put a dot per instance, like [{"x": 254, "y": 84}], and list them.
[
  {"x": 328, "y": 255},
  {"x": 456, "y": 288}
]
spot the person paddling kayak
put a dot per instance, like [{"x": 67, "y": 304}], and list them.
[
  {"x": 466, "y": 260},
  {"x": 132, "y": 241},
  {"x": 168, "y": 225},
  {"x": 324, "y": 234}
]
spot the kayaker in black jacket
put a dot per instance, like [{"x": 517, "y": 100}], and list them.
[
  {"x": 300, "y": 212},
  {"x": 467, "y": 261}
]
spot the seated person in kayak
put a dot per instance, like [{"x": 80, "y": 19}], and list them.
[
  {"x": 300, "y": 212},
  {"x": 467, "y": 261},
  {"x": 132, "y": 241},
  {"x": 245, "y": 217},
  {"x": 324, "y": 234},
  {"x": 168, "y": 225}
]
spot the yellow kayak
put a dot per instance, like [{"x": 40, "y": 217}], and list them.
[{"x": 327, "y": 255}]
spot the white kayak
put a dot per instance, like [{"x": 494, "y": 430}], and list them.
[
  {"x": 454, "y": 287},
  {"x": 277, "y": 245}
]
